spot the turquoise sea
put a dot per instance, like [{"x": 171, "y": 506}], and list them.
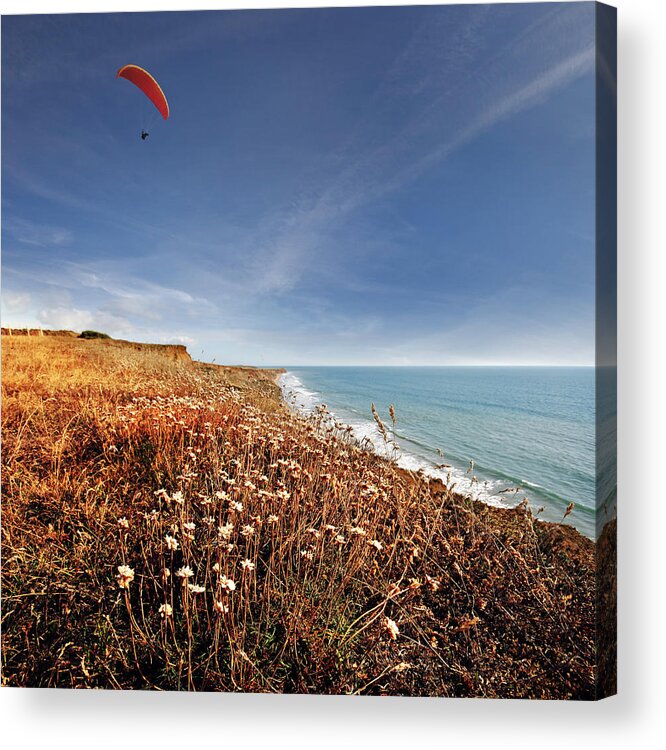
[{"x": 527, "y": 427}]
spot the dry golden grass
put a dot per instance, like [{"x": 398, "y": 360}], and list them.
[{"x": 171, "y": 525}]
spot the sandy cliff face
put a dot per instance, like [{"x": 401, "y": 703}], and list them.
[{"x": 175, "y": 352}]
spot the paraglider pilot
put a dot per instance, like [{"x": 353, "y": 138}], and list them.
[{"x": 150, "y": 87}]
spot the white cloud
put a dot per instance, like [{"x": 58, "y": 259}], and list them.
[
  {"x": 184, "y": 340},
  {"x": 15, "y": 302},
  {"x": 77, "y": 319},
  {"x": 68, "y": 318}
]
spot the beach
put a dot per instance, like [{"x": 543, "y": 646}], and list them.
[
  {"x": 499, "y": 434},
  {"x": 172, "y": 524}
]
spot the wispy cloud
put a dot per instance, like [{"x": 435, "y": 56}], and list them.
[
  {"x": 441, "y": 120},
  {"x": 42, "y": 188},
  {"x": 31, "y": 233},
  {"x": 140, "y": 298}
]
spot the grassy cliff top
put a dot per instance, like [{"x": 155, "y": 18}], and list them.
[{"x": 170, "y": 524}]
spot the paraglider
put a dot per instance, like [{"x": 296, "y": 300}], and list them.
[{"x": 143, "y": 80}]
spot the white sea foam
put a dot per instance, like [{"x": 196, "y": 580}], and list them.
[
  {"x": 296, "y": 394},
  {"x": 366, "y": 432}
]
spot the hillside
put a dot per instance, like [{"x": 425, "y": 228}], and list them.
[{"x": 170, "y": 524}]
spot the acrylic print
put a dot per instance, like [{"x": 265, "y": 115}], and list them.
[{"x": 308, "y": 351}]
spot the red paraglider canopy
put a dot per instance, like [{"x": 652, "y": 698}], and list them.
[{"x": 150, "y": 87}]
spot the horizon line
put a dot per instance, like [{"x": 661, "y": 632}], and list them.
[{"x": 498, "y": 364}]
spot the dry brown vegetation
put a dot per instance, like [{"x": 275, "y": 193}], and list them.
[{"x": 171, "y": 525}]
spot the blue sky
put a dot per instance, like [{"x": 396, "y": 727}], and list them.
[{"x": 354, "y": 186}]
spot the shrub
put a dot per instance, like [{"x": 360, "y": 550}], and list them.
[{"x": 94, "y": 335}]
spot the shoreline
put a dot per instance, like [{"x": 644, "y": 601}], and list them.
[
  {"x": 421, "y": 465},
  {"x": 570, "y": 534},
  {"x": 269, "y": 391}
]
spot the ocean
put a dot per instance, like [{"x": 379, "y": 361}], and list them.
[{"x": 527, "y": 427}]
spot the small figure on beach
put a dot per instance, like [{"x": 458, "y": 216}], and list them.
[{"x": 144, "y": 135}]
